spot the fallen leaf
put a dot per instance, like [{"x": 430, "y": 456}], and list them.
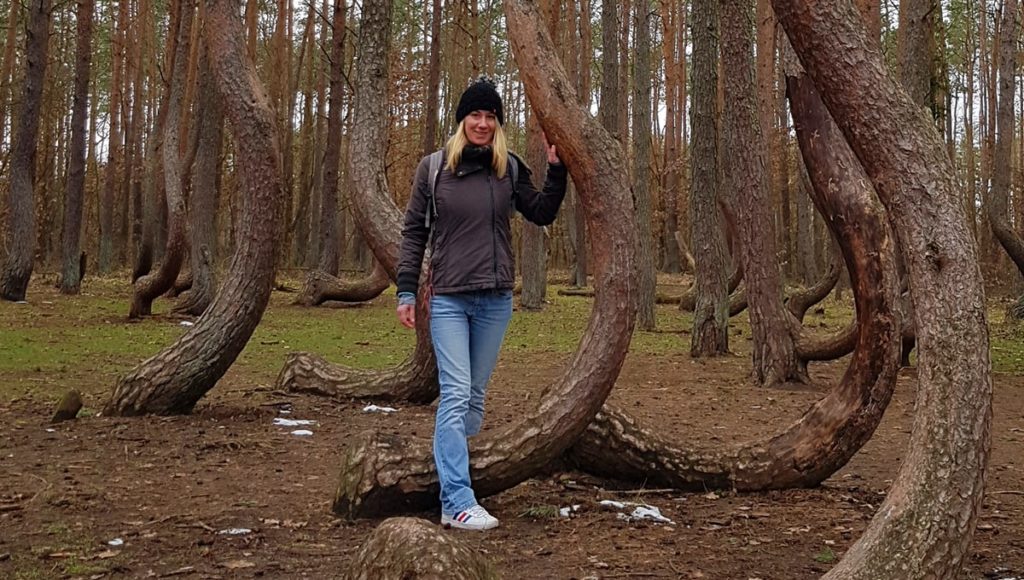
[
  {"x": 106, "y": 554},
  {"x": 238, "y": 564}
]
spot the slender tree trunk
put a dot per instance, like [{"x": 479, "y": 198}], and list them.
[
  {"x": 7, "y": 65},
  {"x": 71, "y": 246},
  {"x": 432, "y": 102},
  {"x": 115, "y": 153},
  {"x": 671, "y": 20},
  {"x": 329, "y": 243},
  {"x": 915, "y": 43},
  {"x": 149, "y": 287},
  {"x": 642, "y": 163},
  {"x": 906, "y": 160},
  {"x": 774, "y": 357},
  {"x": 174, "y": 380},
  {"x": 21, "y": 220},
  {"x": 608, "y": 110},
  {"x": 533, "y": 250},
  {"x": 710, "y": 336}
]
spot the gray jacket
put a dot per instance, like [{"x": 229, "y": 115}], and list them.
[{"x": 472, "y": 236}]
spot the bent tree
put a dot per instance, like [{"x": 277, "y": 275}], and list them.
[
  {"x": 21, "y": 220},
  {"x": 924, "y": 527},
  {"x": 380, "y": 223},
  {"x": 173, "y": 380},
  {"x": 386, "y": 474},
  {"x": 831, "y": 431}
]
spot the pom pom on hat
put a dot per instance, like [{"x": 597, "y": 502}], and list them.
[{"x": 480, "y": 95}]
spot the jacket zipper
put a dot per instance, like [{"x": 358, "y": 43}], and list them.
[{"x": 494, "y": 228}]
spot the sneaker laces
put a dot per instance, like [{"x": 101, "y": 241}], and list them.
[{"x": 478, "y": 511}]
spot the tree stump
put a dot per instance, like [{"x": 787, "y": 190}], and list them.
[
  {"x": 412, "y": 548},
  {"x": 68, "y": 408}
]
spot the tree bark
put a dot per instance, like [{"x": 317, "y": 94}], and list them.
[
  {"x": 431, "y": 102},
  {"x": 384, "y": 474},
  {"x": 801, "y": 301},
  {"x": 203, "y": 204},
  {"x": 999, "y": 195},
  {"x": 774, "y": 360},
  {"x": 831, "y": 431},
  {"x": 710, "y": 336},
  {"x": 320, "y": 287},
  {"x": 533, "y": 250},
  {"x": 907, "y": 162},
  {"x": 71, "y": 246},
  {"x": 21, "y": 218},
  {"x": 148, "y": 287},
  {"x": 380, "y": 224},
  {"x": 329, "y": 242},
  {"x": 115, "y": 153},
  {"x": 406, "y": 548},
  {"x": 642, "y": 163},
  {"x": 174, "y": 380}
]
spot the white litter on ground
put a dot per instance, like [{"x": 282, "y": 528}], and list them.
[
  {"x": 302, "y": 432},
  {"x": 376, "y": 409},
  {"x": 292, "y": 422},
  {"x": 187, "y": 323},
  {"x": 51, "y": 430},
  {"x": 641, "y": 511},
  {"x": 116, "y": 542},
  {"x": 649, "y": 512},
  {"x": 235, "y": 532},
  {"x": 21, "y": 302},
  {"x": 568, "y": 511}
]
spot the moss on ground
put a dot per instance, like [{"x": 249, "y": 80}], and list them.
[{"x": 57, "y": 342}]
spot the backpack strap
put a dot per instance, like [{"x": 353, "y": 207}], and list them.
[{"x": 436, "y": 161}]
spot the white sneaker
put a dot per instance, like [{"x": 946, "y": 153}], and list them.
[{"x": 475, "y": 518}]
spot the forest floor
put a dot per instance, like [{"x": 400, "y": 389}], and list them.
[{"x": 224, "y": 492}]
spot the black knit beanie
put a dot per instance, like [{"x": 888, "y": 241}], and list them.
[{"x": 480, "y": 95}]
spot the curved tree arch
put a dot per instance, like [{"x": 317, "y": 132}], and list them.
[
  {"x": 380, "y": 223},
  {"x": 387, "y": 474},
  {"x": 836, "y": 427},
  {"x": 924, "y": 527},
  {"x": 149, "y": 286},
  {"x": 321, "y": 286},
  {"x": 173, "y": 380}
]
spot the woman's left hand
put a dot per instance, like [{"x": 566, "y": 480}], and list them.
[{"x": 550, "y": 150}]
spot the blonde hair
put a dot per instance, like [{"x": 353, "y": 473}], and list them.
[{"x": 457, "y": 142}]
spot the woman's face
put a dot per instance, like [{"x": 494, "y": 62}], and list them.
[{"x": 479, "y": 127}]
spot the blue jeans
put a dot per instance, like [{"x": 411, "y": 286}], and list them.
[{"x": 466, "y": 329}]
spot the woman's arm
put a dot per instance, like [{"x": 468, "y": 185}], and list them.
[{"x": 541, "y": 207}]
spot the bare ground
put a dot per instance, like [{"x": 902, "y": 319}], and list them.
[{"x": 171, "y": 488}]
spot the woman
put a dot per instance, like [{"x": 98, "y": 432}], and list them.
[{"x": 464, "y": 212}]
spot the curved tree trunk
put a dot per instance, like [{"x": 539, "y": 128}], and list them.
[
  {"x": 414, "y": 381},
  {"x": 801, "y": 301},
  {"x": 924, "y": 527},
  {"x": 173, "y": 380},
  {"x": 407, "y": 548},
  {"x": 148, "y": 287},
  {"x": 774, "y": 357},
  {"x": 71, "y": 243},
  {"x": 380, "y": 224},
  {"x": 831, "y": 431},
  {"x": 203, "y": 204},
  {"x": 21, "y": 215},
  {"x": 385, "y": 474},
  {"x": 998, "y": 206},
  {"x": 321, "y": 287},
  {"x": 709, "y": 295}
]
